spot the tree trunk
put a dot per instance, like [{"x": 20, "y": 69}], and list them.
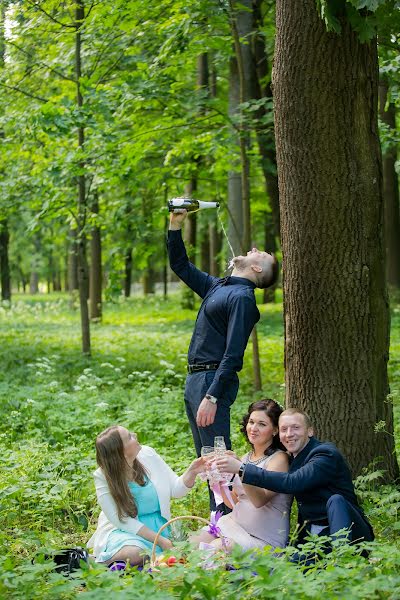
[
  {"x": 205, "y": 252},
  {"x": 189, "y": 236},
  {"x": 235, "y": 213},
  {"x": 215, "y": 240},
  {"x": 165, "y": 252},
  {"x": 149, "y": 279},
  {"x": 271, "y": 247},
  {"x": 335, "y": 300},
  {"x": 264, "y": 133},
  {"x": 83, "y": 270},
  {"x": 34, "y": 282},
  {"x": 4, "y": 233},
  {"x": 128, "y": 272},
  {"x": 95, "y": 267},
  {"x": 390, "y": 192},
  {"x": 241, "y": 27},
  {"x": 35, "y": 265},
  {"x": 72, "y": 261},
  {"x": 50, "y": 269},
  {"x": 4, "y": 262}
]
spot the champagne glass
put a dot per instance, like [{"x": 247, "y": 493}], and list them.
[
  {"x": 220, "y": 449},
  {"x": 207, "y": 452},
  {"x": 219, "y": 445}
]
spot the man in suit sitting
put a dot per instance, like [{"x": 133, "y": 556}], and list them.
[{"x": 318, "y": 477}]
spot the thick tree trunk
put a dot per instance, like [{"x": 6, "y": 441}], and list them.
[
  {"x": 330, "y": 181},
  {"x": 390, "y": 192},
  {"x": 4, "y": 262},
  {"x": 95, "y": 268}
]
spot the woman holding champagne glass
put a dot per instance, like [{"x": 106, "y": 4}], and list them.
[
  {"x": 134, "y": 487},
  {"x": 259, "y": 517}
]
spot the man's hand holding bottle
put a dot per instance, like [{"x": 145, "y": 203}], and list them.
[{"x": 176, "y": 218}]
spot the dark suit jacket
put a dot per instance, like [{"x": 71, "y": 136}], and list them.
[{"x": 318, "y": 472}]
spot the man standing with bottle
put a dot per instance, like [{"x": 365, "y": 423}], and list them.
[{"x": 224, "y": 322}]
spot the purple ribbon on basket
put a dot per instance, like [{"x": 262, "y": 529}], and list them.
[
  {"x": 213, "y": 527},
  {"x": 117, "y": 565}
]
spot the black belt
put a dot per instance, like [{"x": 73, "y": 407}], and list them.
[{"x": 197, "y": 368}]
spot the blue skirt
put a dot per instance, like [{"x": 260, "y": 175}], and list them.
[{"x": 148, "y": 505}]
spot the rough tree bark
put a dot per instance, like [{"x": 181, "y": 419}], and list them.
[
  {"x": 330, "y": 183},
  {"x": 390, "y": 191}
]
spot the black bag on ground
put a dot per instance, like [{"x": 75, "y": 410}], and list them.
[{"x": 68, "y": 559}]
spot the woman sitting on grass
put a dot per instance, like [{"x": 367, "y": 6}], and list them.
[
  {"x": 134, "y": 487},
  {"x": 259, "y": 517}
]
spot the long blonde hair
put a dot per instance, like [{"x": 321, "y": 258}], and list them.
[{"x": 111, "y": 459}]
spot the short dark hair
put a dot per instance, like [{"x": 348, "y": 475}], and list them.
[
  {"x": 273, "y": 410},
  {"x": 266, "y": 280}
]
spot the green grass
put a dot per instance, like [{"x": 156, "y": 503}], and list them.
[{"x": 54, "y": 401}]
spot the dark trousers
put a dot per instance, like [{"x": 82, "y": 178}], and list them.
[
  {"x": 196, "y": 388},
  {"x": 341, "y": 515}
]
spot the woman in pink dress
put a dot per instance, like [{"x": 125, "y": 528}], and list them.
[{"x": 259, "y": 517}]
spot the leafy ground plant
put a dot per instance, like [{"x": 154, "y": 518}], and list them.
[{"x": 53, "y": 402}]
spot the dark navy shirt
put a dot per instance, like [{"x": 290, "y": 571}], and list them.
[{"x": 225, "y": 319}]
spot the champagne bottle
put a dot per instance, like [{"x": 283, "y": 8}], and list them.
[{"x": 190, "y": 204}]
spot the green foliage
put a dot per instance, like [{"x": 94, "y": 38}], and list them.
[
  {"x": 364, "y": 16},
  {"x": 53, "y": 402}
]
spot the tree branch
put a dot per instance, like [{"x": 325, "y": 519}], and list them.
[
  {"x": 41, "y": 63},
  {"x": 16, "y": 89},
  {"x": 38, "y": 7}
]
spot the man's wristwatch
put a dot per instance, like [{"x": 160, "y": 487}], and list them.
[
  {"x": 211, "y": 399},
  {"x": 241, "y": 470}
]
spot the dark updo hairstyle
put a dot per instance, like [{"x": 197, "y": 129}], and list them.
[{"x": 273, "y": 410}]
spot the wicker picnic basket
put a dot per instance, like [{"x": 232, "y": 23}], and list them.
[{"x": 153, "y": 561}]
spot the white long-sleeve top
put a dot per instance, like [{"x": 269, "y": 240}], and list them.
[{"x": 167, "y": 483}]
